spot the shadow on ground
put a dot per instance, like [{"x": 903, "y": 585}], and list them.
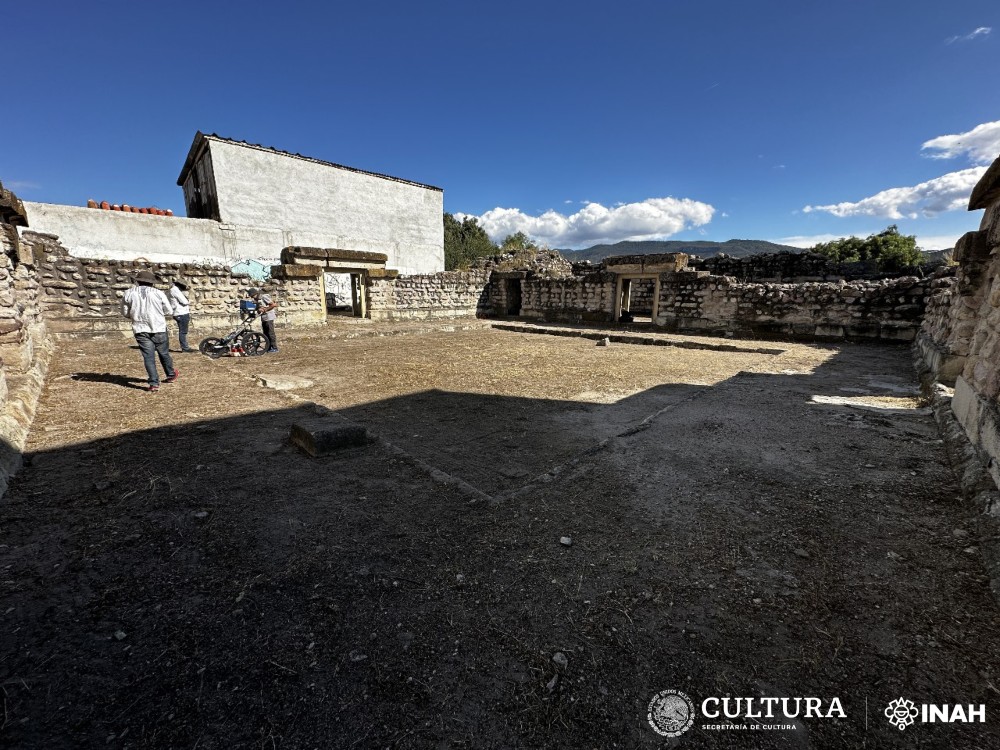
[
  {"x": 109, "y": 377},
  {"x": 208, "y": 585}
]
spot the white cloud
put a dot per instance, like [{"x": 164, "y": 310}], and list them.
[
  {"x": 924, "y": 242},
  {"x": 981, "y": 144},
  {"x": 949, "y": 192},
  {"x": 979, "y": 32},
  {"x": 806, "y": 240},
  {"x": 651, "y": 219},
  {"x": 937, "y": 241}
]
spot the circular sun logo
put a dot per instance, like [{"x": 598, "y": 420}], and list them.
[
  {"x": 901, "y": 713},
  {"x": 671, "y": 713}
]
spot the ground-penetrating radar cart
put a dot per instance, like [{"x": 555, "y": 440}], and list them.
[{"x": 242, "y": 342}]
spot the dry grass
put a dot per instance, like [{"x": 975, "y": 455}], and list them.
[{"x": 82, "y": 401}]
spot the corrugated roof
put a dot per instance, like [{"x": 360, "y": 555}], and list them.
[{"x": 201, "y": 138}]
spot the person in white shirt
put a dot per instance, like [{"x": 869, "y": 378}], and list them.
[
  {"x": 182, "y": 313},
  {"x": 147, "y": 308}
]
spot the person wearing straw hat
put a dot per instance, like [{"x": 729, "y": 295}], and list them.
[
  {"x": 182, "y": 313},
  {"x": 147, "y": 308}
]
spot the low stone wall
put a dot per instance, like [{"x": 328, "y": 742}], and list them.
[
  {"x": 776, "y": 267},
  {"x": 789, "y": 267},
  {"x": 575, "y": 299},
  {"x": 697, "y": 302},
  {"x": 452, "y": 294},
  {"x": 81, "y": 295},
  {"x": 946, "y": 331},
  {"x": 25, "y": 347}
]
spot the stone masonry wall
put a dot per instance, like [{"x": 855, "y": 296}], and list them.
[
  {"x": 641, "y": 296},
  {"x": 695, "y": 301},
  {"x": 575, "y": 299},
  {"x": 977, "y": 389},
  {"x": 960, "y": 338},
  {"x": 946, "y": 331},
  {"x": 25, "y": 348},
  {"x": 785, "y": 267},
  {"x": 451, "y": 294},
  {"x": 81, "y": 295}
]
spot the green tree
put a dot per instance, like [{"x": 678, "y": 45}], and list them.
[
  {"x": 464, "y": 241},
  {"x": 516, "y": 242},
  {"x": 889, "y": 249}
]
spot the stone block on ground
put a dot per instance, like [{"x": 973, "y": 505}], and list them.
[
  {"x": 325, "y": 435},
  {"x": 283, "y": 382}
]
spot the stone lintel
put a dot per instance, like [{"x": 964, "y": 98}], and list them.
[
  {"x": 325, "y": 255},
  {"x": 349, "y": 266},
  {"x": 297, "y": 271},
  {"x": 653, "y": 264}
]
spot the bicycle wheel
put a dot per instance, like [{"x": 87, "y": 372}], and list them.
[
  {"x": 253, "y": 343},
  {"x": 213, "y": 347}
]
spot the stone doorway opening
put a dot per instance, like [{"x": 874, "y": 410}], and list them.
[
  {"x": 355, "y": 265},
  {"x": 636, "y": 300},
  {"x": 338, "y": 294},
  {"x": 513, "y": 296}
]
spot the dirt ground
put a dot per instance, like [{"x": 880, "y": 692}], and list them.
[{"x": 743, "y": 524}]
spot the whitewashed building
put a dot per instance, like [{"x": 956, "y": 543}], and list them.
[{"x": 248, "y": 201}]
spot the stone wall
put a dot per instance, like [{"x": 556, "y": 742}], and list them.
[
  {"x": 946, "y": 330},
  {"x": 777, "y": 267},
  {"x": 25, "y": 347},
  {"x": 82, "y": 295},
  {"x": 789, "y": 267},
  {"x": 589, "y": 298},
  {"x": 697, "y": 302},
  {"x": 451, "y": 294},
  {"x": 960, "y": 338},
  {"x": 641, "y": 296}
]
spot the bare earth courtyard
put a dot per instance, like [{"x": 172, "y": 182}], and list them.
[{"x": 775, "y": 520}]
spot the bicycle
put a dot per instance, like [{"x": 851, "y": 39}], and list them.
[{"x": 242, "y": 342}]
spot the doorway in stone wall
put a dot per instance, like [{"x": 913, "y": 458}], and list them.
[
  {"x": 637, "y": 299},
  {"x": 513, "y": 296},
  {"x": 338, "y": 294}
]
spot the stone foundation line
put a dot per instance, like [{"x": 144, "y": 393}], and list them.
[
  {"x": 632, "y": 338},
  {"x": 336, "y": 420}
]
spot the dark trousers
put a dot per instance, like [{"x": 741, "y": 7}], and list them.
[
  {"x": 272, "y": 340},
  {"x": 151, "y": 345},
  {"x": 183, "y": 321}
]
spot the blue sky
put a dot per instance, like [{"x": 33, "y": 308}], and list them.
[{"x": 575, "y": 122}]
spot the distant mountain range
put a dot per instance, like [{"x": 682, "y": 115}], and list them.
[{"x": 736, "y": 248}]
